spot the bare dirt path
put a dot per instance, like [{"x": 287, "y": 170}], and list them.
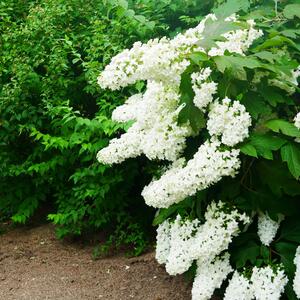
[{"x": 34, "y": 265}]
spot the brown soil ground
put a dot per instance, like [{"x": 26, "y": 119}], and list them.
[{"x": 34, "y": 265}]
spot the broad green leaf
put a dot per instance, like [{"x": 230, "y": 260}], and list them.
[
  {"x": 267, "y": 55},
  {"x": 123, "y": 3},
  {"x": 141, "y": 19},
  {"x": 276, "y": 176},
  {"x": 181, "y": 208},
  {"x": 291, "y": 33},
  {"x": 290, "y": 230},
  {"x": 287, "y": 251},
  {"x": 283, "y": 126},
  {"x": 198, "y": 57},
  {"x": 213, "y": 31},
  {"x": 271, "y": 96},
  {"x": 265, "y": 144},
  {"x": 249, "y": 150},
  {"x": 243, "y": 249},
  {"x": 291, "y": 11},
  {"x": 163, "y": 214},
  {"x": 289, "y": 290},
  {"x": 230, "y": 7},
  {"x": 255, "y": 104},
  {"x": 236, "y": 64},
  {"x": 282, "y": 64},
  {"x": 129, "y": 13},
  {"x": 290, "y": 153},
  {"x": 275, "y": 41}
]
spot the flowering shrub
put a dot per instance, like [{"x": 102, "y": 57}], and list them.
[{"x": 220, "y": 111}]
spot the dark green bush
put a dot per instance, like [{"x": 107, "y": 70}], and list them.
[{"x": 54, "y": 117}]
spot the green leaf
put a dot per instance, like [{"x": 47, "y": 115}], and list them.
[
  {"x": 265, "y": 144},
  {"x": 249, "y": 150},
  {"x": 291, "y": 33},
  {"x": 285, "y": 127},
  {"x": 123, "y": 3},
  {"x": 289, "y": 291},
  {"x": 199, "y": 57},
  {"x": 255, "y": 104},
  {"x": 230, "y": 7},
  {"x": 189, "y": 113},
  {"x": 236, "y": 65},
  {"x": 275, "y": 41},
  {"x": 163, "y": 214},
  {"x": 243, "y": 249},
  {"x": 291, "y": 11},
  {"x": 213, "y": 31},
  {"x": 271, "y": 96},
  {"x": 275, "y": 175},
  {"x": 290, "y": 153},
  {"x": 290, "y": 230},
  {"x": 129, "y": 13},
  {"x": 140, "y": 18},
  {"x": 267, "y": 55},
  {"x": 230, "y": 189},
  {"x": 287, "y": 252}
]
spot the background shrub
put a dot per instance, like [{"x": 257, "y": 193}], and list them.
[{"x": 54, "y": 117}]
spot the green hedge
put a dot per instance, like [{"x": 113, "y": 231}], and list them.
[{"x": 54, "y": 117}]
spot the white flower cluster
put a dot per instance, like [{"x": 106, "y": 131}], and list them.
[
  {"x": 239, "y": 288},
  {"x": 155, "y": 132},
  {"x": 129, "y": 110},
  {"x": 204, "y": 91},
  {"x": 181, "y": 236},
  {"x": 237, "y": 41},
  {"x": 230, "y": 120},
  {"x": 159, "y": 59},
  {"x": 207, "y": 167},
  {"x": 297, "y": 120},
  {"x": 210, "y": 276},
  {"x": 296, "y": 282},
  {"x": 267, "y": 228},
  {"x": 264, "y": 284},
  {"x": 181, "y": 242},
  {"x": 165, "y": 59},
  {"x": 268, "y": 284}
]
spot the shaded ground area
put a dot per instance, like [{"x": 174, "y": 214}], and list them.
[{"x": 35, "y": 266}]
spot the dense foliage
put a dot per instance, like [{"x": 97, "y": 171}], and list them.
[
  {"x": 220, "y": 110},
  {"x": 54, "y": 117}
]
